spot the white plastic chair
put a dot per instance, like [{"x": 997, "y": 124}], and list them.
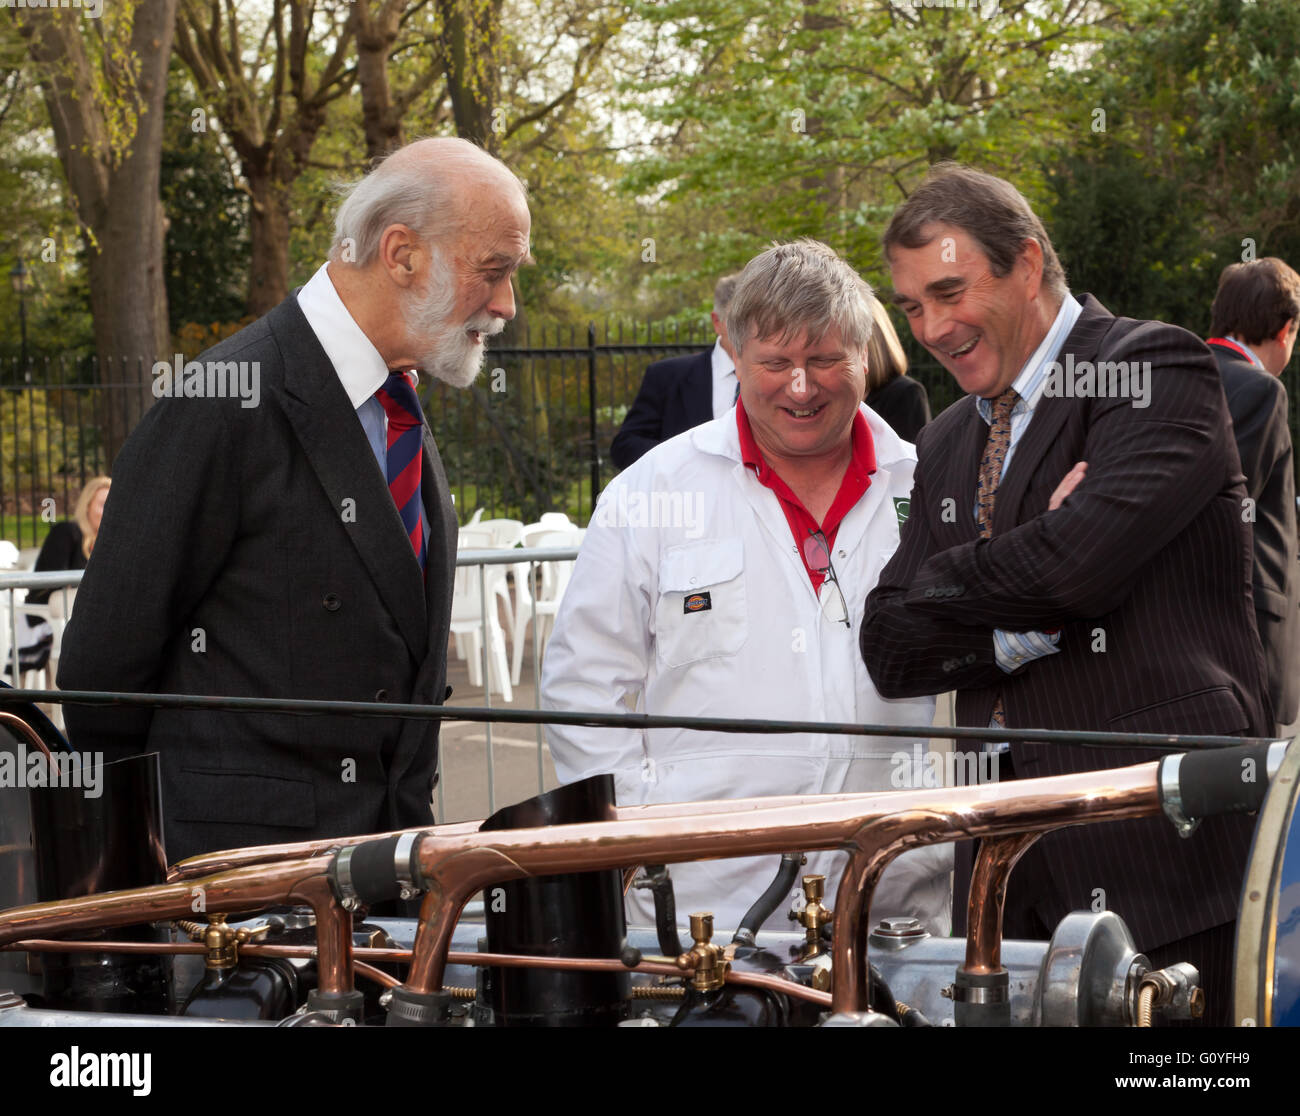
[
  {"x": 467, "y": 619},
  {"x": 554, "y": 579}
]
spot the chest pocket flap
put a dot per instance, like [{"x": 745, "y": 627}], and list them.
[{"x": 701, "y": 612}]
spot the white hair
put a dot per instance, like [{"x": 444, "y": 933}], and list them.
[{"x": 422, "y": 186}]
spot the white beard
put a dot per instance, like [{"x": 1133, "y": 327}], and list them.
[{"x": 453, "y": 355}]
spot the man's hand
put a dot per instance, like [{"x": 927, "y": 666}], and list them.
[{"x": 1068, "y": 484}]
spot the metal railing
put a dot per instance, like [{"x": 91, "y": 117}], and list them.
[{"x": 11, "y": 582}]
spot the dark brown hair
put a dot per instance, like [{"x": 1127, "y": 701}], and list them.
[
  {"x": 1255, "y": 300},
  {"x": 990, "y": 209}
]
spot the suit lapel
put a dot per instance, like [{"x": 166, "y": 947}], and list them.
[
  {"x": 1082, "y": 342},
  {"x": 696, "y": 389},
  {"x": 959, "y": 479},
  {"x": 335, "y": 446}
]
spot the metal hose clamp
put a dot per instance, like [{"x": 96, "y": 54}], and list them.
[
  {"x": 1171, "y": 796},
  {"x": 402, "y": 865},
  {"x": 347, "y": 892}
]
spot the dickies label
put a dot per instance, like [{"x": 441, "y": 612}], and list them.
[{"x": 697, "y": 602}]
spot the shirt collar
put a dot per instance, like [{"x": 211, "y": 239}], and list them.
[
  {"x": 723, "y": 365},
  {"x": 357, "y": 363},
  {"x": 1032, "y": 381},
  {"x": 861, "y": 463}
]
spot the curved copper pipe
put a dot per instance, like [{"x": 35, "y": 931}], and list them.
[
  {"x": 870, "y": 853},
  {"x": 629, "y": 874},
  {"x": 454, "y": 868},
  {"x": 243, "y": 889},
  {"x": 377, "y": 975},
  {"x": 16, "y": 722},
  {"x": 988, "y": 896}
]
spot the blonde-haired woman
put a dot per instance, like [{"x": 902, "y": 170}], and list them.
[
  {"x": 69, "y": 543},
  {"x": 893, "y": 394}
]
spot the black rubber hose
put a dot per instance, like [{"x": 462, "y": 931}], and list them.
[
  {"x": 768, "y": 902},
  {"x": 660, "y": 884},
  {"x": 1226, "y": 781}
]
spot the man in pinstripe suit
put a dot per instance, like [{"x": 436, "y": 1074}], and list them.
[{"x": 1076, "y": 557}]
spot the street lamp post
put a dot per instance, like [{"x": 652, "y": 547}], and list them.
[{"x": 18, "y": 277}]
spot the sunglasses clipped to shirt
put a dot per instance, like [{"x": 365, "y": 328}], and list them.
[{"x": 817, "y": 553}]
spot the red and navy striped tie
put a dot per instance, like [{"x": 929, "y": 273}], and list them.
[{"x": 405, "y": 451}]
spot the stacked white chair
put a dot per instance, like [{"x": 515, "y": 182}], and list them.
[
  {"x": 467, "y": 615},
  {"x": 554, "y": 529}
]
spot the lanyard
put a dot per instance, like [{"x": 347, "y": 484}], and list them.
[{"x": 1229, "y": 344}]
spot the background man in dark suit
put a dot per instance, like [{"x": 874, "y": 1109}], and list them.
[
  {"x": 1253, "y": 325},
  {"x": 681, "y": 392},
  {"x": 1073, "y": 559},
  {"x": 286, "y": 549}
]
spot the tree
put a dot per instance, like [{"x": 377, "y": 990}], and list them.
[
  {"x": 103, "y": 83},
  {"x": 271, "y": 95},
  {"x": 786, "y": 118}
]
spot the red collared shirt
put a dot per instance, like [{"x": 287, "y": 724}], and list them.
[{"x": 857, "y": 479}]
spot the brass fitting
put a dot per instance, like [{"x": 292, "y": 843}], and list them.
[
  {"x": 814, "y": 915},
  {"x": 704, "y": 957},
  {"x": 222, "y": 941}
]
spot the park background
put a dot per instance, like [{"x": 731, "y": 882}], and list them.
[{"x": 170, "y": 168}]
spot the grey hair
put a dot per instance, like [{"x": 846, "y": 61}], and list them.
[
  {"x": 801, "y": 287},
  {"x": 408, "y": 189},
  {"x": 723, "y": 290}
]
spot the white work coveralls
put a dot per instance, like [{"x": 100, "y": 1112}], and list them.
[{"x": 689, "y": 519}]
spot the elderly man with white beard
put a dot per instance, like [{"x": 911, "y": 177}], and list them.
[{"x": 304, "y": 547}]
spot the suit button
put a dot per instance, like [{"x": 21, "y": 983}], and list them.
[
  {"x": 332, "y": 602},
  {"x": 381, "y": 695}
]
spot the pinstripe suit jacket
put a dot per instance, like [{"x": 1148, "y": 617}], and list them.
[
  {"x": 270, "y": 531},
  {"x": 1146, "y": 569}
]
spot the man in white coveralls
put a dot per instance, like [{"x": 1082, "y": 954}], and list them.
[{"x": 716, "y": 580}]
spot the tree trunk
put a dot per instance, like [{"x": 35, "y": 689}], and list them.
[
  {"x": 114, "y": 183},
  {"x": 268, "y": 271},
  {"x": 376, "y": 34},
  {"x": 471, "y": 30}
]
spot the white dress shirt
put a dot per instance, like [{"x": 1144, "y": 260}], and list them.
[{"x": 725, "y": 381}]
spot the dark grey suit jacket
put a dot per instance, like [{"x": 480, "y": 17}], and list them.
[
  {"x": 1146, "y": 569},
  {"x": 1258, "y": 405},
  {"x": 675, "y": 395},
  {"x": 257, "y": 551}
]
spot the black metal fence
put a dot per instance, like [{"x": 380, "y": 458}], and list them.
[{"x": 532, "y": 435}]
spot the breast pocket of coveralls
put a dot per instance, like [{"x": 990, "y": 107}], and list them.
[{"x": 701, "y": 612}]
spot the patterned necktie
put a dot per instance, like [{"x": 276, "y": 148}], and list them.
[
  {"x": 405, "y": 454},
  {"x": 995, "y": 453}
]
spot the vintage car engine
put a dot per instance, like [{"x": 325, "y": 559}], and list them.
[{"x": 520, "y": 918}]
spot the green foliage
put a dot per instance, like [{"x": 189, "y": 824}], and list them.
[{"x": 207, "y": 251}]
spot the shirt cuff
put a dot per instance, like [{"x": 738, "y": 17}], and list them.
[{"x": 1012, "y": 650}]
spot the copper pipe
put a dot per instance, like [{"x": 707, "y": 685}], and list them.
[
  {"x": 207, "y": 864},
  {"x": 629, "y": 874},
  {"x": 454, "y": 868},
  {"x": 377, "y": 975},
  {"x": 988, "y": 896},
  {"x": 498, "y": 960},
  {"x": 49, "y": 945},
  {"x": 225, "y": 860},
  {"x": 24, "y": 729},
  {"x": 333, "y": 937},
  {"x": 870, "y": 852},
  {"x": 244, "y": 889}
]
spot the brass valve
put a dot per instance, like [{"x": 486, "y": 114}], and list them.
[
  {"x": 814, "y": 915},
  {"x": 222, "y": 941},
  {"x": 705, "y": 957}
]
